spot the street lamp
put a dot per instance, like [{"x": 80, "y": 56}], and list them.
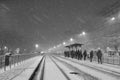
[
  {"x": 36, "y": 45},
  {"x": 71, "y": 39},
  {"x": 112, "y": 19},
  {"x": 5, "y": 47},
  {"x": 64, "y": 43},
  {"x": 83, "y": 33}
]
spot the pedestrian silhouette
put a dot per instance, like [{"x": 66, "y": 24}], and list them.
[
  {"x": 85, "y": 54},
  {"x": 99, "y": 56},
  {"x": 91, "y": 55}
]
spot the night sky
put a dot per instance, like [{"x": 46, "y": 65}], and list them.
[{"x": 24, "y": 23}]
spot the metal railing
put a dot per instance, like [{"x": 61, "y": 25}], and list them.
[
  {"x": 115, "y": 60},
  {"x": 15, "y": 59}
]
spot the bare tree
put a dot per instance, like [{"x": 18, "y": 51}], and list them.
[{"x": 115, "y": 42}]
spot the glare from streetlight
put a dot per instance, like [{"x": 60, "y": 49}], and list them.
[
  {"x": 112, "y": 19},
  {"x": 5, "y": 47},
  {"x": 64, "y": 43},
  {"x": 36, "y": 45},
  {"x": 71, "y": 39},
  {"x": 83, "y": 33}
]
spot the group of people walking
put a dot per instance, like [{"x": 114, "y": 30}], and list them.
[{"x": 83, "y": 55}]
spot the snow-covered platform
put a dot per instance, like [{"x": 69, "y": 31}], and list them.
[
  {"x": 100, "y": 71},
  {"x": 61, "y": 68},
  {"x": 22, "y": 71}
]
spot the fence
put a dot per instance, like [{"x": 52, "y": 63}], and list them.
[
  {"x": 114, "y": 59},
  {"x": 110, "y": 59},
  {"x": 15, "y": 59}
]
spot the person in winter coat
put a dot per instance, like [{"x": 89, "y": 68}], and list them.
[
  {"x": 7, "y": 59},
  {"x": 7, "y": 56},
  {"x": 99, "y": 56},
  {"x": 80, "y": 55},
  {"x": 85, "y": 54},
  {"x": 91, "y": 55}
]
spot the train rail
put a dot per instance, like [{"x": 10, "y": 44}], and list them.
[
  {"x": 62, "y": 71},
  {"x": 103, "y": 70},
  {"x": 38, "y": 74},
  {"x": 75, "y": 69}
]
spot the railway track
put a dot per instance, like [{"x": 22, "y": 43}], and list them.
[
  {"x": 98, "y": 69},
  {"x": 38, "y": 74},
  {"x": 69, "y": 70},
  {"x": 103, "y": 70},
  {"x": 61, "y": 70},
  {"x": 76, "y": 70}
]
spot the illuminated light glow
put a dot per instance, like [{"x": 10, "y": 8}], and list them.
[
  {"x": 36, "y": 45},
  {"x": 112, "y": 19},
  {"x": 71, "y": 39},
  {"x": 5, "y": 47},
  {"x": 64, "y": 43},
  {"x": 83, "y": 33}
]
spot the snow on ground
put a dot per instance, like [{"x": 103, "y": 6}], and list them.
[
  {"x": 51, "y": 71},
  {"x": 39, "y": 72},
  {"x": 21, "y": 72},
  {"x": 92, "y": 72},
  {"x": 101, "y": 66},
  {"x": 25, "y": 75},
  {"x": 68, "y": 71},
  {"x": 9, "y": 67},
  {"x": 111, "y": 67}
]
